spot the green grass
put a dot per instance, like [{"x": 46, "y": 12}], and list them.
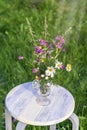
[{"x": 16, "y": 38}]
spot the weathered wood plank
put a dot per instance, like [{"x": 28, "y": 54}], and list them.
[{"x": 8, "y": 120}]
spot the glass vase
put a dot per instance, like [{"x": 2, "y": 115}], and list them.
[
  {"x": 43, "y": 92},
  {"x": 43, "y": 95}
]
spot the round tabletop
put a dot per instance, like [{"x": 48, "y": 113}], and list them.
[{"x": 21, "y": 104}]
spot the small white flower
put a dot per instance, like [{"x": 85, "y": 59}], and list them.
[
  {"x": 42, "y": 75},
  {"x": 50, "y": 71},
  {"x": 46, "y": 78},
  {"x": 48, "y": 84},
  {"x": 58, "y": 64},
  {"x": 52, "y": 75}
]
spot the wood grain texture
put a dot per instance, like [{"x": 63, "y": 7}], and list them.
[
  {"x": 8, "y": 120},
  {"x": 22, "y": 105}
]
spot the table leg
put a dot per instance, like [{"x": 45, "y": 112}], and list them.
[
  {"x": 8, "y": 120},
  {"x": 20, "y": 126},
  {"x": 53, "y": 127},
  {"x": 75, "y": 121}
]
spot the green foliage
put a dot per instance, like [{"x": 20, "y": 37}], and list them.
[{"x": 16, "y": 38}]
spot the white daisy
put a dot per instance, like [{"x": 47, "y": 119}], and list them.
[
  {"x": 58, "y": 64},
  {"x": 50, "y": 71}
]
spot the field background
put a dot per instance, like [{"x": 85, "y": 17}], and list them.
[{"x": 21, "y": 22}]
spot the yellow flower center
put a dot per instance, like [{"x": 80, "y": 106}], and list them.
[
  {"x": 58, "y": 65},
  {"x": 36, "y": 77},
  {"x": 42, "y": 60},
  {"x": 40, "y": 47},
  {"x": 50, "y": 69},
  {"x": 69, "y": 66}
]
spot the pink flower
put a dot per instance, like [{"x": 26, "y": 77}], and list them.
[
  {"x": 62, "y": 40},
  {"x": 59, "y": 39},
  {"x": 59, "y": 45},
  {"x": 62, "y": 66},
  {"x": 38, "y": 49},
  {"x": 20, "y": 57},
  {"x": 39, "y": 77},
  {"x": 42, "y": 42},
  {"x": 50, "y": 47},
  {"x": 34, "y": 70}
]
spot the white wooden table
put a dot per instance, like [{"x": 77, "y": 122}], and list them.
[{"x": 21, "y": 104}]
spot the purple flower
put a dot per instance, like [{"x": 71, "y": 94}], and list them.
[
  {"x": 20, "y": 57},
  {"x": 59, "y": 45},
  {"x": 34, "y": 70},
  {"x": 59, "y": 39},
  {"x": 62, "y": 40},
  {"x": 42, "y": 42},
  {"x": 50, "y": 47},
  {"x": 38, "y": 49},
  {"x": 62, "y": 66}
]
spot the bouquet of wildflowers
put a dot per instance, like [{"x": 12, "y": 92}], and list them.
[
  {"x": 46, "y": 57},
  {"x": 46, "y": 64}
]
